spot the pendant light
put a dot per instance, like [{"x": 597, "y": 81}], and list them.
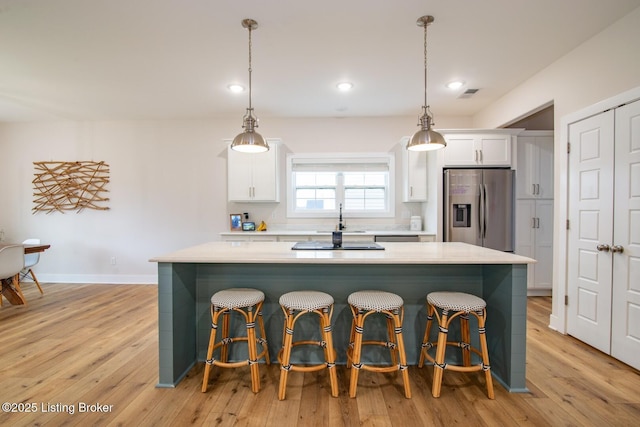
[
  {"x": 249, "y": 141},
  {"x": 426, "y": 139}
]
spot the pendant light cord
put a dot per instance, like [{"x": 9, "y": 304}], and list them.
[
  {"x": 250, "y": 66},
  {"x": 425, "y": 65}
]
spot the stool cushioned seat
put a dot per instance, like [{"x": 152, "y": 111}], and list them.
[
  {"x": 456, "y": 301},
  {"x": 375, "y": 300},
  {"x": 306, "y": 300},
  {"x": 237, "y": 297}
]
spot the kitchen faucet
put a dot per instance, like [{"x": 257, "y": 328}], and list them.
[{"x": 341, "y": 226}]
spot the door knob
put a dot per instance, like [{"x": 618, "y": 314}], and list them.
[
  {"x": 602, "y": 248},
  {"x": 617, "y": 248}
]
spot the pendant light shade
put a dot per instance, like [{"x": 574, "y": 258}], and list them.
[
  {"x": 426, "y": 139},
  {"x": 249, "y": 141}
]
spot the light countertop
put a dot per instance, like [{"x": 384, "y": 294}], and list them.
[{"x": 394, "y": 253}]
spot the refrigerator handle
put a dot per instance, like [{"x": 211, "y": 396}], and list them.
[
  {"x": 480, "y": 212},
  {"x": 486, "y": 212}
]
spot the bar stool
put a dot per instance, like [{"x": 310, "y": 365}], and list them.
[
  {"x": 247, "y": 302},
  {"x": 461, "y": 304},
  {"x": 294, "y": 305},
  {"x": 363, "y": 304}
]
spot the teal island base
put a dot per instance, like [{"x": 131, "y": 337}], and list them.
[{"x": 185, "y": 289}]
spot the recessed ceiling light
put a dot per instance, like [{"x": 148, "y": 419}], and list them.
[
  {"x": 344, "y": 86},
  {"x": 456, "y": 84},
  {"x": 235, "y": 88}
]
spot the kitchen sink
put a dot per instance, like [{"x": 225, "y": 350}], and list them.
[
  {"x": 315, "y": 246},
  {"x": 343, "y": 231}
]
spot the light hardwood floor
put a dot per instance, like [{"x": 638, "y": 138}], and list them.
[{"x": 97, "y": 344}]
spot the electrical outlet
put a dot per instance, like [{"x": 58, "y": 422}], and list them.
[{"x": 113, "y": 260}]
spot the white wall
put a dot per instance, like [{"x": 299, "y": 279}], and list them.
[
  {"x": 167, "y": 189},
  {"x": 602, "y": 67},
  {"x": 599, "y": 69}
]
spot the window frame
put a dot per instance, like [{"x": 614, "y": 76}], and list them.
[{"x": 335, "y": 161}]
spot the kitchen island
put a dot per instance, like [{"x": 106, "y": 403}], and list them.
[{"x": 187, "y": 279}]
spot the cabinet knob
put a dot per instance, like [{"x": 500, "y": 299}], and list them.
[
  {"x": 603, "y": 248},
  {"x": 617, "y": 248}
]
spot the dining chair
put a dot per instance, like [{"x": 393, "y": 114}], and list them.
[
  {"x": 11, "y": 263},
  {"x": 31, "y": 260}
]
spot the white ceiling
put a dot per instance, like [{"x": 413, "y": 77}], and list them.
[{"x": 154, "y": 59}]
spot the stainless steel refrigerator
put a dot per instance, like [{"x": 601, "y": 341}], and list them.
[{"x": 479, "y": 207}]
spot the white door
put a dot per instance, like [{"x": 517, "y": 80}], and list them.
[
  {"x": 625, "y": 331},
  {"x": 589, "y": 272}
]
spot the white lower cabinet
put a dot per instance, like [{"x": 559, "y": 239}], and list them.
[
  {"x": 249, "y": 238},
  {"x": 534, "y": 239}
]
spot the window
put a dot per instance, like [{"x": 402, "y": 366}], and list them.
[{"x": 319, "y": 183}]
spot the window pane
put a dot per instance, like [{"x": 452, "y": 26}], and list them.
[
  {"x": 361, "y": 186},
  {"x": 315, "y": 199}
]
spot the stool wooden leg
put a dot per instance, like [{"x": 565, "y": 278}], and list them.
[
  {"x": 352, "y": 339},
  {"x": 466, "y": 339},
  {"x": 224, "y": 351},
  {"x": 253, "y": 352},
  {"x": 485, "y": 353},
  {"x": 391, "y": 340},
  {"x": 263, "y": 336},
  {"x": 329, "y": 353},
  {"x": 401, "y": 352},
  {"x": 286, "y": 354},
  {"x": 212, "y": 340},
  {"x": 439, "y": 364},
  {"x": 426, "y": 340},
  {"x": 357, "y": 349}
]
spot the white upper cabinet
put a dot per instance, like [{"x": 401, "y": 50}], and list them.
[
  {"x": 535, "y": 165},
  {"x": 414, "y": 171},
  {"x": 253, "y": 177},
  {"x": 476, "y": 149}
]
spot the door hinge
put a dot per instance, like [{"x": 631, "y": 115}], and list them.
[
  {"x": 568, "y": 225},
  {"x": 566, "y": 300},
  {"x": 568, "y": 147}
]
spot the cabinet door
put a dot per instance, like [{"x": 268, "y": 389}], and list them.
[
  {"x": 477, "y": 150},
  {"x": 543, "y": 270},
  {"x": 265, "y": 175},
  {"x": 525, "y": 234},
  {"x": 527, "y": 172},
  {"x": 544, "y": 170},
  {"x": 494, "y": 150},
  {"x": 461, "y": 151},
  {"x": 415, "y": 176},
  {"x": 239, "y": 175},
  {"x": 535, "y": 167},
  {"x": 253, "y": 177}
]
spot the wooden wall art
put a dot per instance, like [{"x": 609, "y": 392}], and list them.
[{"x": 70, "y": 186}]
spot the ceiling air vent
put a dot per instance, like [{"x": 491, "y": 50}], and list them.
[{"x": 468, "y": 93}]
